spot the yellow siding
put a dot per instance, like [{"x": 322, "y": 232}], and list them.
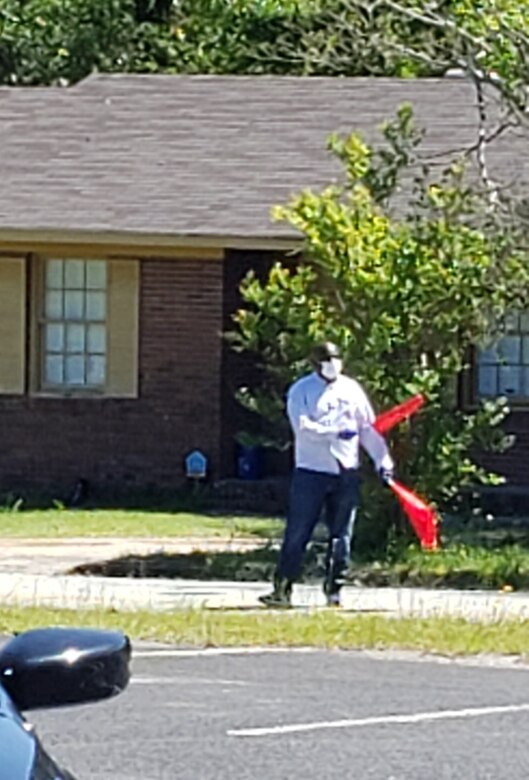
[
  {"x": 12, "y": 324},
  {"x": 123, "y": 315}
]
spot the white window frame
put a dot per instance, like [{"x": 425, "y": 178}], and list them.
[{"x": 73, "y": 325}]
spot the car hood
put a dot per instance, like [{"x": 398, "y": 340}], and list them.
[
  {"x": 17, "y": 750},
  {"x": 21, "y": 754}
]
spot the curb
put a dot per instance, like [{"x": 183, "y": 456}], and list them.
[{"x": 157, "y": 595}]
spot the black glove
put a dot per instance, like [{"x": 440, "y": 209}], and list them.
[
  {"x": 386, "y": 475},
  {"x": 347, "y": 434}
]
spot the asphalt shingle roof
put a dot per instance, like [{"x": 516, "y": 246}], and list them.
[{"x": 202, "y": 156}]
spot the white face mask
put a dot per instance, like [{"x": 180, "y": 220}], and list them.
[{"x": 331, "y": 369}]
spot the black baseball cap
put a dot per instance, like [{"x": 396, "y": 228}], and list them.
[{"x": 325, "y": 351}]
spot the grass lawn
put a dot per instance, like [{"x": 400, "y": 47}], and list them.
[
  {"x": 62, "y": 523},
  {"x": 462, "y": 566},
  {"x": 492, "y": 560},
  {"x": 475, "y": 564},
  {"x": 321, "y": 629}
]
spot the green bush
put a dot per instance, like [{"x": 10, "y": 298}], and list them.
[{"x": 406, "y": 297}]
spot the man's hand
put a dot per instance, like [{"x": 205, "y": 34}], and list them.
[
  {"x": 347, "y": 434},
  {"x": 386, "y": 475}
]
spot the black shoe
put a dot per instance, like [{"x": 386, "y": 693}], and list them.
[
  {"x": 333, "y": 600},
  {"x": 281, "y": 596},
  {"x": 332, "y": 593}
]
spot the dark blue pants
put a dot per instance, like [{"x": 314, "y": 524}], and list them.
[{"x": 310, "y": 493}]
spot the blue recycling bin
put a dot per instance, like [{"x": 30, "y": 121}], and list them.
[{"x": 249, "y": 462}]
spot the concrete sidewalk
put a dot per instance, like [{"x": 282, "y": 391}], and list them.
[
  {"x": 56, "y": 556},
  {"x": 32, "y": 573}
]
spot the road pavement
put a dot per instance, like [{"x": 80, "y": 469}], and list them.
[{"x": 305, "y": 715}]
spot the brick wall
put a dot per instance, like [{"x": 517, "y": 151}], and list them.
[{"x": 47, "y": 444}]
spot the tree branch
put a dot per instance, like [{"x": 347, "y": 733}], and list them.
[
  {"x": 439, "y": 22},
  {"x": 481, "y": 147}
]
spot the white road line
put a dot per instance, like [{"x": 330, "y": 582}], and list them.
[
  {"x": 417, "y": 717},
  {"x": 214, "y": 651},
  {"x": 185, "y": 681}
]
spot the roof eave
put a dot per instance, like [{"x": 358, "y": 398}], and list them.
[{"x": 32, "y": 240}]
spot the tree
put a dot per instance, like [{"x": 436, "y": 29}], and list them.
[
  {"x": 406, "y": 297},
  {"x": 46, "y": 41},
  {"x": 63, "y": 41}
]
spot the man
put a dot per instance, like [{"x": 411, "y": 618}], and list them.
[{"x": 330, "y": 416}]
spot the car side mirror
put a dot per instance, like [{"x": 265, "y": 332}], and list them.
[{"x": 52, "y": 667}]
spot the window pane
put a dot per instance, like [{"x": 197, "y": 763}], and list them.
[
  {"x": 524, "y": 322},
  {"x": 75, "y": 333},
  {"x": 97, "y": 339},
  {"x": 74, "y": 370},
  {"x": 95, "y": 370},
  {"x": 74, "y": 274},
  {"x": 54, "y": 270},
  {"x": 509, "y": 348},
  {"x": 487, "y": 381},
  {"x": 525, "y": 350},
  {"x": 74, "y": 305},
  {"x": 75, "y": 338},
  {"x": 54, "y": 337},
  {"x": 54, "y": 370},
  {"x": 525, "y": 378},
  {"x": 53, "y": 305},
  {"x": 510, "y": 380},
  {"x": 95, "y": 305},
  {"x": 489, "y": 354},
  {"x": 512, "y": 322},
  {"x": 96, "y": 275}
]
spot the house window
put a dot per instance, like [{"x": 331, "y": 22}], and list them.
[
  {"x": 503, "y": 367},
  {"x": 74, "y": 324}
]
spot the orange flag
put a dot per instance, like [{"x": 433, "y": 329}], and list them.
[
  {"x": 393, "y": 416},
  {"x": 422, "y": 517}
]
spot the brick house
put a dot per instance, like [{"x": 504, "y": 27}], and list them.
[{"x": 130, "y": 208}]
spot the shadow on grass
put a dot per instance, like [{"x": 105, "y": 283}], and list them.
[
  {"x": 245, "y": 566},
  {"x": 240, "y": 566},
  {"x": 443, "y": 570}
]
